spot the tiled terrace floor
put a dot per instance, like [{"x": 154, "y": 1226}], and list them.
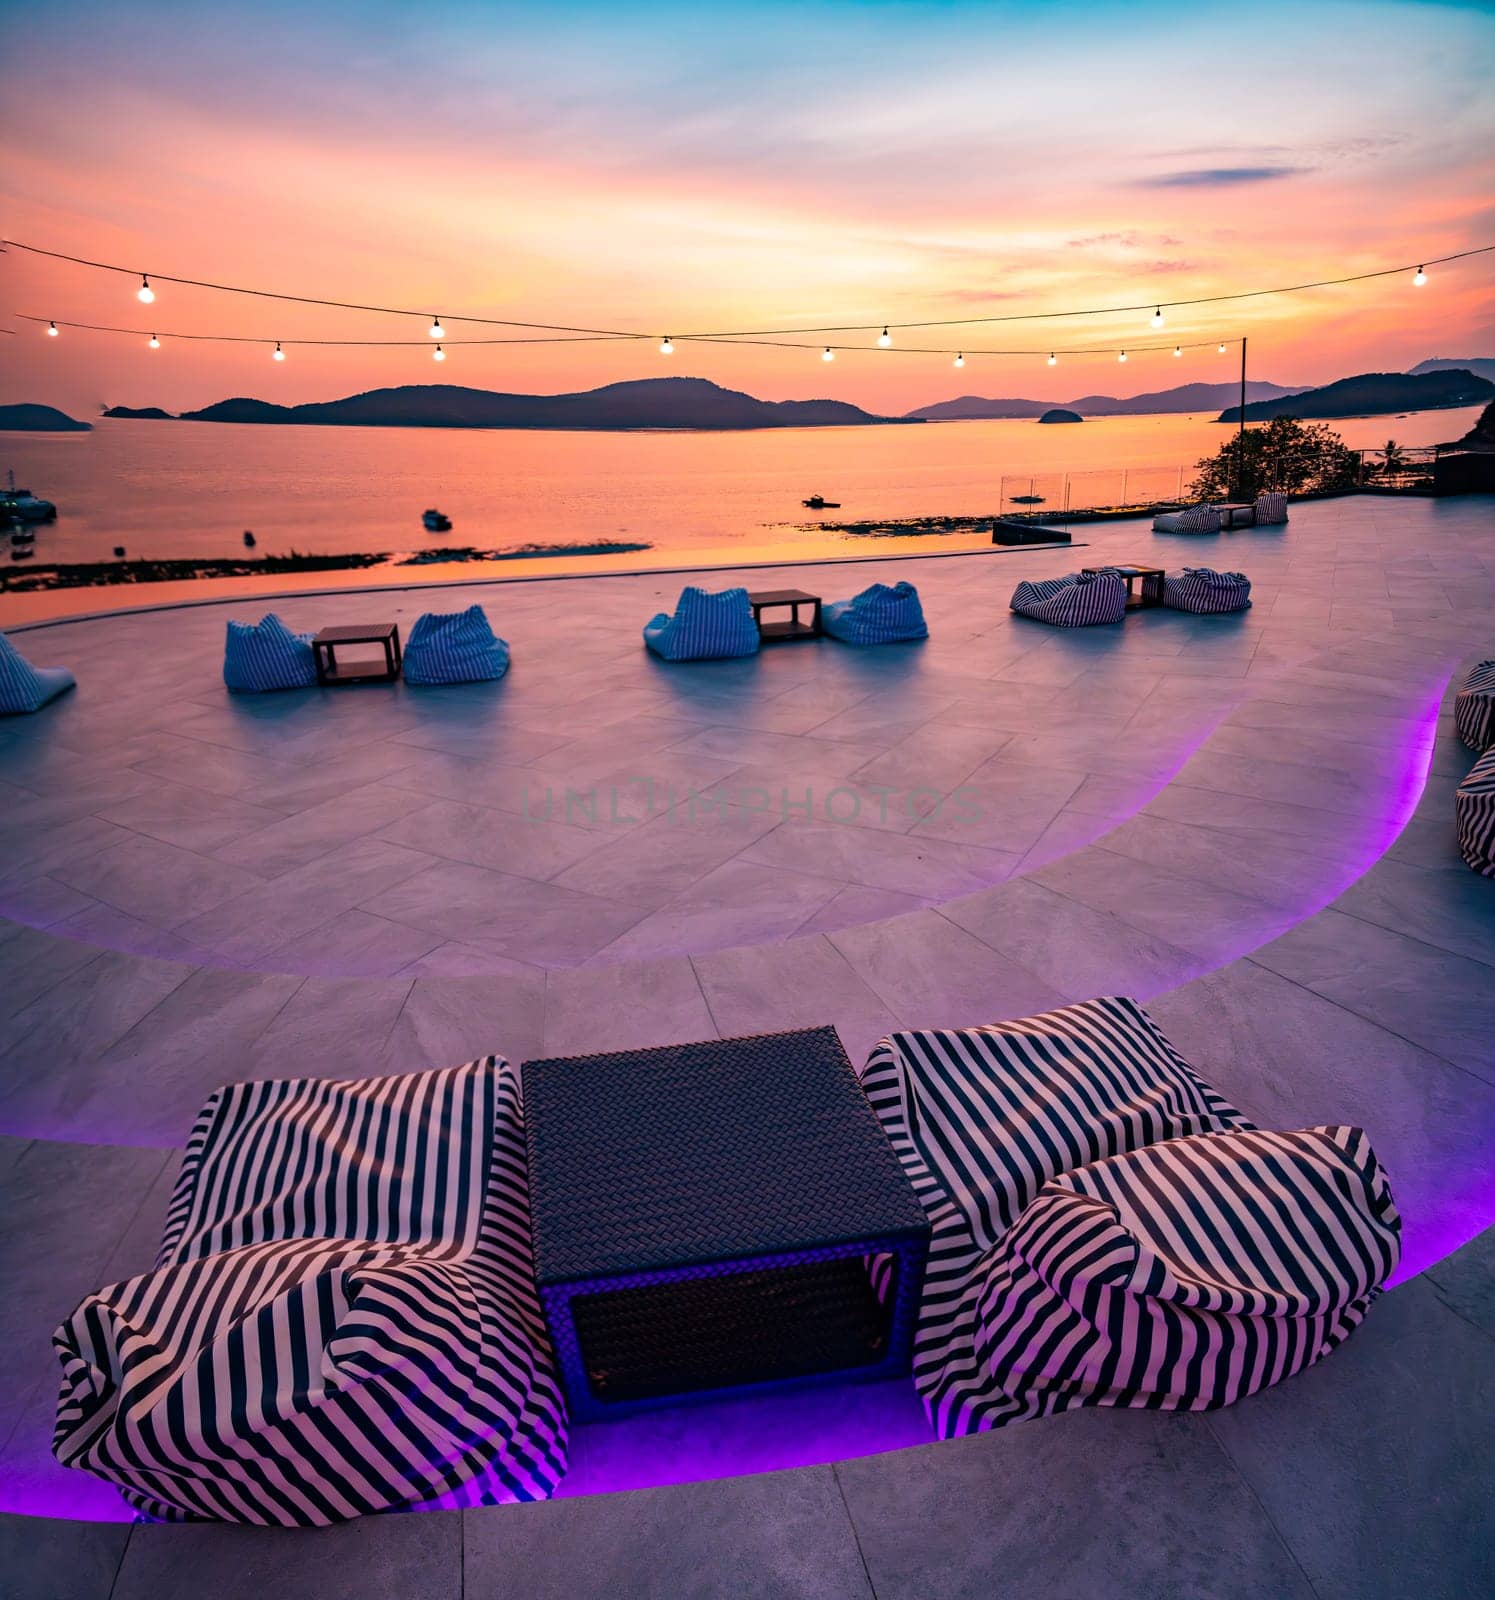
[{"x": 198, "y": 888}]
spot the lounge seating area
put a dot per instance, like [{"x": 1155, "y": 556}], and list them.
[
  {"x": 1107, "y": 1231},
  {"x": 1269, "y": 509},
  {"x": 1243, "y": 822}
]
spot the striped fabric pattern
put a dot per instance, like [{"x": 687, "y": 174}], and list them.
[
  {"x": 1270, "y": 508},
  {"x": 1206, "y": 592},
  {"x": 266, "y": 655},
  {"x": 1474, "y": 707},
  {"x": 990, "y": 1123},
  {"x": 342, "y": 1318},
  {"x": 1076, "y": 601},
  {"x": 1196, "y": 519},
  {"x": 454, "y": 647},
  {"x": 24, "y": 688},
  {"x": 704, "y": 627},
  {"x": 1184, "y": 1275},
  {"x": 982, "y": 1118},
  {"x": 1474, "y": 815},
  {"x": 881, "y": 614}
]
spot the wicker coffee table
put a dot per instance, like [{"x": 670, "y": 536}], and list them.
[{"x": 717, "y": 1216}]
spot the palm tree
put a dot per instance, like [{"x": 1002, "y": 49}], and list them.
[{"x": 1393, "y": 458}]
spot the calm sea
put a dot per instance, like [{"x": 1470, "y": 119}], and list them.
[{"x": 172, "y": 489}]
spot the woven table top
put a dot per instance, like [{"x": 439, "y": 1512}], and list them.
[{"x": 648, "y": 1159}]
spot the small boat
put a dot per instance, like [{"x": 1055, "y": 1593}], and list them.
[
  {"x": 25, "y": 506},
  {"x": 436, "y": 521},
  {"x": 19, "y": 552},
  {"x": 119, "y": 551},
  {"x": 818, "y": 502},
  {"x": 22, "y": 535},
  {"x": 248, "y": 540}
]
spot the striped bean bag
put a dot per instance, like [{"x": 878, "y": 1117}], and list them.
[
  {"x": 1206, "y": 592},
  {"x": 455, "y": 647},
  {"x": 24, "y": 688},
  {"x": 1076, "y": 601},
  {"x": 1474, "y": 815},
  {"x": 342, "y": 1318},
  {"x": 266, "y": 655},
  {"x": 881, "y": 614},
  {"x": 704, "y": 627},
  {"x": 982, "y": 1118},
  {"x": 1474, "y": 707},
  {"x": 1184, "y": 1275},
  {"x": 1197, "y": 519},
  {"x": 1270, "y": 508}
]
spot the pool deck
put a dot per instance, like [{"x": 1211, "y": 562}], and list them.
[{"x": 1244, "y": 821}]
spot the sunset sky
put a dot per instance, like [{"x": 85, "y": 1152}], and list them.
[{"x": 671, "y": 168}]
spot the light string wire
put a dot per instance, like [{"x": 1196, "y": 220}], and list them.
[
  {"x": 746, "y": 334},
  {"x": 608, "y": 338}
]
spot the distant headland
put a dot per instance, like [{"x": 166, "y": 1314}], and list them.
[
  {"x": 27, "y": 418},
  {"x": 693, "y": 404},
  {"x": 1374, "y": 394}
]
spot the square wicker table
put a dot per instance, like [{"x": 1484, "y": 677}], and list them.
[
  {"x": 332, "y": 671},
  {"x": 1152, "y": 584},
  {"x": 791, "y": 628},
  {"x": 718, "y": 1216}
]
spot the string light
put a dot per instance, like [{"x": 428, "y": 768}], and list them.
[
  {"x": 145, "y": 294},
  {"x": 1178, "y": 349},
  {"x": 1157, "y": 318},
  {"x": 280, "y": 354},
  {"x": 436, "y": 330},
  {"x": 1053, "y": 359},
  {"x": 1420, "y": 279},
  {"x": 960, "y": 360},
  {"x": 760, "y": 333},
  {"x": 155, "y": 343},
  {"x": 438, "y": 354},
  {"x": 52, "y": 330},
  {"x": 884, "y": 339},
  {"x": 667, "y": 346},
  {"x": 828, "y": 354},
  {"x": 1220, "y": 348},
  {"x": 1122, "y": 356}
]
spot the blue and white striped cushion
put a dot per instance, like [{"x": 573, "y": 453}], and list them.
[
  {"x": 24, "y": 688},
  {"x": 705, "y": 626},
  {"x": 455, "y": 647},
  {"x": 1270, "y": 508},
  {"x": 1206, "y": 592},
  {"x": 266, "y": 655},
  {"x": 880, "y": 614},
  {"x": 1184, "y": 1275},
  {"x": 1076, "y": 601},
  {"x": 342, "y": 1318},
  {"x": 1199, "y": 519},
  {"x": 1474, "y": 707},
  {"x": 1474, "y": 815}
]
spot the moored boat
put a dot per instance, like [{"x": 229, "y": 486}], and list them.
[{"x": 436, "y": 521}]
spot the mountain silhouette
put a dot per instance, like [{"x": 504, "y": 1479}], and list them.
[
  {"x": 1186, "y": 397},
  {"x": 684, "y": 403},
  {"x": 1373, "y": 394}
]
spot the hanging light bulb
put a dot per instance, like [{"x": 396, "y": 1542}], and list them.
[
  {"x": 1053, "y": 359},
  {"x": 828, "y": 354},
  {"x": 438, "y": 354},
  {"x": 1178, "y": 349},
  {"x": 1157, "y": 318},
  {"x": 280, "y": 354},
  {"x": 1420, "y": 279},
  {"x": 51, "y": 330},
  {"x": 884, "y": 339},
  {"x": 960, "y": 360},
  {"x": 667, "y": 346},
  {"x": 1221, "y": 347},
  {"x": 154, "y": 342},
  {"x": 145, "y": 294},
  {"x": 436, "y": 330},
  {"x": 1122, "y": 356}
]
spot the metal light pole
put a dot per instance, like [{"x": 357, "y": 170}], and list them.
[{"x": 1240, "y": 438}]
